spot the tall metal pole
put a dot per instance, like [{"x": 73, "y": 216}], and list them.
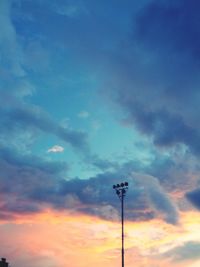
[
  {"x": 121, "y": 192},
  {"x": 122, "y": 218}
]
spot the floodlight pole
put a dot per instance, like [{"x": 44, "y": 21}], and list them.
[
  {"x": 122, "y": 218},
  {"x": 121, "y": 192}
]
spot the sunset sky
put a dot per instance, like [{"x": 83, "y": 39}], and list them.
[{"x": 93, "y": 93}]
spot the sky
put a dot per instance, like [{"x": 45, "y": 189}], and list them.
[{"x": 94, "y": 93}]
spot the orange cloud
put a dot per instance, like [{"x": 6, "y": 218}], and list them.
[{"x": 63, "y": 239}]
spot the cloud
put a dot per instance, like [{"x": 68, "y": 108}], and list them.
[
  {"x": 157, "y": 197},
  {"x": 154, "y": 76},
  {"x": 40, "y": 184},
  {"x": 56, "y": 149},
  {"x": 71, "y": 10},
  {"x": 23, "y": 117},
  {"x": 146, "y": 79},
  {"x": 194, "y": 197},
  {"x": 12, "y": 55},
  {"x": 24, "y": 175},
  {"x": 188, "y": 251},
  {"x": 83, "y": 114},
  {"x": 32, "y": 120}
]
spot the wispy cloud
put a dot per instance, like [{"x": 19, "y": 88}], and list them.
[
  {"x": 33, "y": 117},
  {"x": 12, "y": 51},
  {"x": 83, "y": 114},
  {"x": 71, "y": 10},
  {"x": 188, "y": 251}
]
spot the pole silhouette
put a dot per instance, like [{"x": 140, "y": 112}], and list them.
[{"x": 121, "y": 192}]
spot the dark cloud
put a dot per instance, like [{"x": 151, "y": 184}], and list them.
[
  {"x": 28, "y": 184},
  {"x": 145, "y": 197},
  {"x": 167, "y": 129},
  {"x": 170, "y": 24},
  {"x": 194, "y": 197},
  {"x": 154, "y": 75},
  {"x": 176, "y": 173},
  {"x": 156, "y": 196},
  {"x": 21, "y": 175}
]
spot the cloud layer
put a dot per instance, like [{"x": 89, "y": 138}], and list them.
[
  {"x": 154, "y": 75},
  {"x": 30, "y": 184},
  {"x": 62, "y": 61}
]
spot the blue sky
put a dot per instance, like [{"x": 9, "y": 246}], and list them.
[{"x": 92, "y": 93}]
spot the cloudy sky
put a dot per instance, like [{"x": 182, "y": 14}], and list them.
[{"x": 94, "y": 93}]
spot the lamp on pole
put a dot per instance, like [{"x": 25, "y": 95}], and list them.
[{"x": 120, "y": 190}]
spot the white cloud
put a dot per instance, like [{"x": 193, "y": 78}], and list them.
[{"x": 55, "y": 149}]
